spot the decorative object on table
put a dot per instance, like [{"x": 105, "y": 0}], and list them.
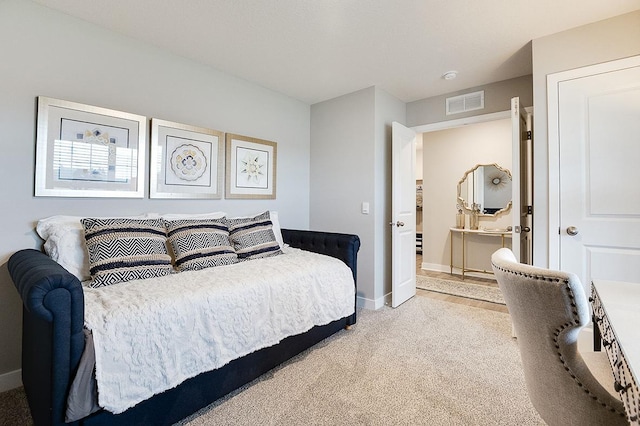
[
  {"x": 460, "y": 217},
  {"x": 186, "y": 161},
  {"x": 89, "y": 151},
  {"x": 474, "y": 217},
  {"x": 251, "y": 168}
]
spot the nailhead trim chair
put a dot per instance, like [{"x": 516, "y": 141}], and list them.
[{"x": 548, "y": 308}]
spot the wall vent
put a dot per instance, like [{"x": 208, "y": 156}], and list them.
[{"x": 464, "y": 103}]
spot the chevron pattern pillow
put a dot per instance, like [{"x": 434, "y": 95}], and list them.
[
  {"x": 125, "y": 249},
  {"x": 253, "y": 238},
  {"x": 199, "y": 244}
]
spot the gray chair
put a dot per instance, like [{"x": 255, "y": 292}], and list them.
[{"x": 548, "y": 309}]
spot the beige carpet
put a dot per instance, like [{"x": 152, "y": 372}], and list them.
[
  {"x": 428, "y": 362},
  {"x": 463, "y": 289}
]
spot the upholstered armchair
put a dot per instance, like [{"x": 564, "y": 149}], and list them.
[{"x": 548, "y": 309}]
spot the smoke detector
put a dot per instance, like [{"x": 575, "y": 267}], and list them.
[{"x": 450, "y": 75}]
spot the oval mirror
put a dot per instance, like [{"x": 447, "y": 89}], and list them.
[{"x": 488, "y": 186}]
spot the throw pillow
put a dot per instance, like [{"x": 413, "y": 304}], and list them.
[
  {"x": 199, "y": 244},
  {"x": 126, "y": 249},
  {"x": 253, "y": 237},
  {"x": 64, "y": 242}
]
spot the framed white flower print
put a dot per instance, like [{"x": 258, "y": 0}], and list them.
[
  {"x": 186, "y": 161},
  {"x": 251, "y": 168}
]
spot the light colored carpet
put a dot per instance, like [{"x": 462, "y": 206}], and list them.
[
  {"x": 427, "y": 362},
  {"x": 456, "y": 288}
]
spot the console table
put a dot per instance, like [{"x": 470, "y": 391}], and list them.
[
  {"x": 503, "y": 234},
  {"x": 615, "y": 311}
]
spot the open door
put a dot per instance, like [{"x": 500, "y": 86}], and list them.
[
  {"x": 522, "y": 208},
  {"x": 403, "y": 214}
]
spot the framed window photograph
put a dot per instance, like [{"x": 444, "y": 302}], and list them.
[
  {"x": 88, "y": 151},
  {"x": 251, "y": 168},
  {"x": 186, "y": 161}
]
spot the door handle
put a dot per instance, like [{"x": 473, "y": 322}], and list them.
[
  {"x": 526, "y": 229},
  {"x": 398, "y": 223},
  {"x": 572, "y": 230}
]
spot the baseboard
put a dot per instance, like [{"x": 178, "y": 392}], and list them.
[
  {"x": 10, "y": 380},
  {"x": 447, "y": 269},
  {"x": 362, "y": 302},
  {"x": 435, "y": 267}
]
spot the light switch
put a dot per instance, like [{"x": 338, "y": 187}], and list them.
[{"x": 365, "y": 207}]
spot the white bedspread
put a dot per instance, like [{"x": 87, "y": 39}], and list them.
[{"x": 150, "y": 335}]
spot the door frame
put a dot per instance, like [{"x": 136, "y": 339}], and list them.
[
  {"x": 459, "y": 122},
  {"x": 553, "y": 82}
]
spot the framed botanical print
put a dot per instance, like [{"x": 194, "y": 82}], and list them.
[
  {"x": 186, "y": 161},
  {"x": 89, "y": 151},
  {"x": 251, "y": 168}
]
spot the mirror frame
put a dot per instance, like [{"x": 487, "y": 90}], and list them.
[{"x": 462, "y": 202}]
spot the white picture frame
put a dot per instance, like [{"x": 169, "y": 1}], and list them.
[
  {"x": 186, "y": 161},
  {"x": 89, "y": 151}
]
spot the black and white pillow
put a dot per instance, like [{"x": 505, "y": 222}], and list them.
[
  {"x": 126, "y": 249},
  {"x": 199, "y": 244},
  {"x": 253, "y": 237}
]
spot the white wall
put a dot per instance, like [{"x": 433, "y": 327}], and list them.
[
  {"x": 47, "y": 53},
  {"x": 595, "y": 43},
  {"x": 447, "y": 155},
  {"x": 350, "y": 164}
]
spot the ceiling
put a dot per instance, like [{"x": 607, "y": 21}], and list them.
[{"x": 313, "y": 50}]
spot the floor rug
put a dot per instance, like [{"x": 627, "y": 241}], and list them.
[{"x": 455, "y": 288}]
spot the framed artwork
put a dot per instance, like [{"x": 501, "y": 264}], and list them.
[
  {"x": 251, "y": 168},
  {"x": 186, "y": 161},
  {"x": 88, "y": 151}
]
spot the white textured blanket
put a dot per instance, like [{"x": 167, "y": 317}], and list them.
[{"x": 150, "y": 335}]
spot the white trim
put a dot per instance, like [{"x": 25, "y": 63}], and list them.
[
  {"x": 451, "y": 124},
  {"x": 456, "y": 271},
  {"x": 10, "y": 380},
  {"x": 435, "y": 267},
  {"x": 553, "y": 82},
  {"x": 365, "y": 303}
]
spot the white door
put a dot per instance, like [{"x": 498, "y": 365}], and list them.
[
  {"x": 403, "y": 214},
  {"x": 599, "y": 174},
  {"x": 521, "y": 194}
]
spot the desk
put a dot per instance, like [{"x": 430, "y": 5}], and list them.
[
  {"x": 481, "y": 232},
  {"x": 616, "y": 310}
]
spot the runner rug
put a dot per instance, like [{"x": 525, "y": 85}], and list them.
[{"x": 456, "y": 288}]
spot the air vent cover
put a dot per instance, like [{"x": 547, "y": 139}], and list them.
[{"x": 466, "y": 102}]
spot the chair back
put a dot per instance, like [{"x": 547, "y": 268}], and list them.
[{"x": 548, "y": 308}]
